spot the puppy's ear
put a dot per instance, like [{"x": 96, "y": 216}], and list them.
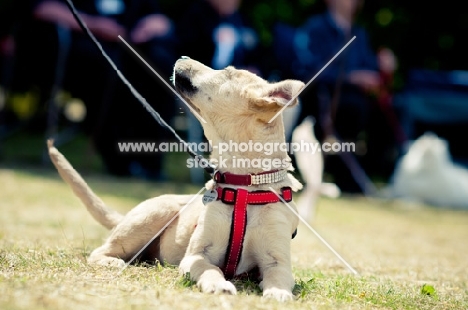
[{"x": 278, "y": 95}]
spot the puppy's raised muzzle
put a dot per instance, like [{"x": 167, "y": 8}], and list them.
[{"x": 182, "y": 79}]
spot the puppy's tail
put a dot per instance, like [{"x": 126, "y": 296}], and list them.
[{"x": 101, "y": 213}]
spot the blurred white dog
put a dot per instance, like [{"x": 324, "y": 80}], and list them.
[
  {"x": 427, "y": 174},
  {"x": 310, "y": 165}
]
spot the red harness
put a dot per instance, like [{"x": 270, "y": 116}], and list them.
[{"x": 240, "y": 198}]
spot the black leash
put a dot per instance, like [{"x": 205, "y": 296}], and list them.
[{"x": 203, "y": 162}]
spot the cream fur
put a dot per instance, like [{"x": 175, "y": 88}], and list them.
[
  {"x": 427, "y": 174},
  {"x": 310, "y": 165},
  {"x": 237, "y": 106}
]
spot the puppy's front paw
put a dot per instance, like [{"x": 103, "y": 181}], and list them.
[
  {"x": 107, "y": 261},
  {"x": 278, "y": 294},
  {"x": 220, "y": 287}
]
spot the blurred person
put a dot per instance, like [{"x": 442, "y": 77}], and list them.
[
  {"x": 215, "y": 33},
  {"x": 113, "y": 115},
  {"x": 344, "y": 97}
]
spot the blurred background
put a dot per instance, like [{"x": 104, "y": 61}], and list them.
[{"x": 405, "y": 74}]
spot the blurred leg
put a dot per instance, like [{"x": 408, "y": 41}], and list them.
[{"x": 350, "y": 122}]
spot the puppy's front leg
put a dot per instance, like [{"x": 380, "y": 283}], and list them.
[
  {"x": 209, "y": 278},
  {"x": 206, "y": 252},
  {"x": 275, "y": 267}
]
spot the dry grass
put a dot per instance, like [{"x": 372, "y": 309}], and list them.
[{"x": 46, "y": 235}]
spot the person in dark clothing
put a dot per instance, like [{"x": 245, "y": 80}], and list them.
[
  {"x": 356, "y": 69},
  {"x": 215, "y": 33},
  {"x": 113, "y": 115},
  {"x": 342, "y": 98}
]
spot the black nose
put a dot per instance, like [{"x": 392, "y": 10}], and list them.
[
  {"x": 183, "y": 84},
  {"x": 184, "y": 57}
]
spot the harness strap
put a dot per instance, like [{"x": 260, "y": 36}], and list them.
[
  {"x": 240, "y": 198},
  {"x": 239, "y": 223},
  {"x": 228, "y": 196}
]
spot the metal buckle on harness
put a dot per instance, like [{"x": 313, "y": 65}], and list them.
[
  {"x": 217, "y": 176},
  {"x": 224, "y": 194}
]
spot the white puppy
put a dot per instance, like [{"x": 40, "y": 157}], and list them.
[
  {"x": 427, "y": 174},
  {"x": 237, "y": 107}
]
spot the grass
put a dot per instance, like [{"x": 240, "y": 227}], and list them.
[{"x": 408, "y": 257}]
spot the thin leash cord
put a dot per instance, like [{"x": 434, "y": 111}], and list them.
[{"x": 199, "y": 158}]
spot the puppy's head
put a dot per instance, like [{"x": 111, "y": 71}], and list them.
[
  {"x": 231, "y": 98},
  {"x": 428, "y": 152}
]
